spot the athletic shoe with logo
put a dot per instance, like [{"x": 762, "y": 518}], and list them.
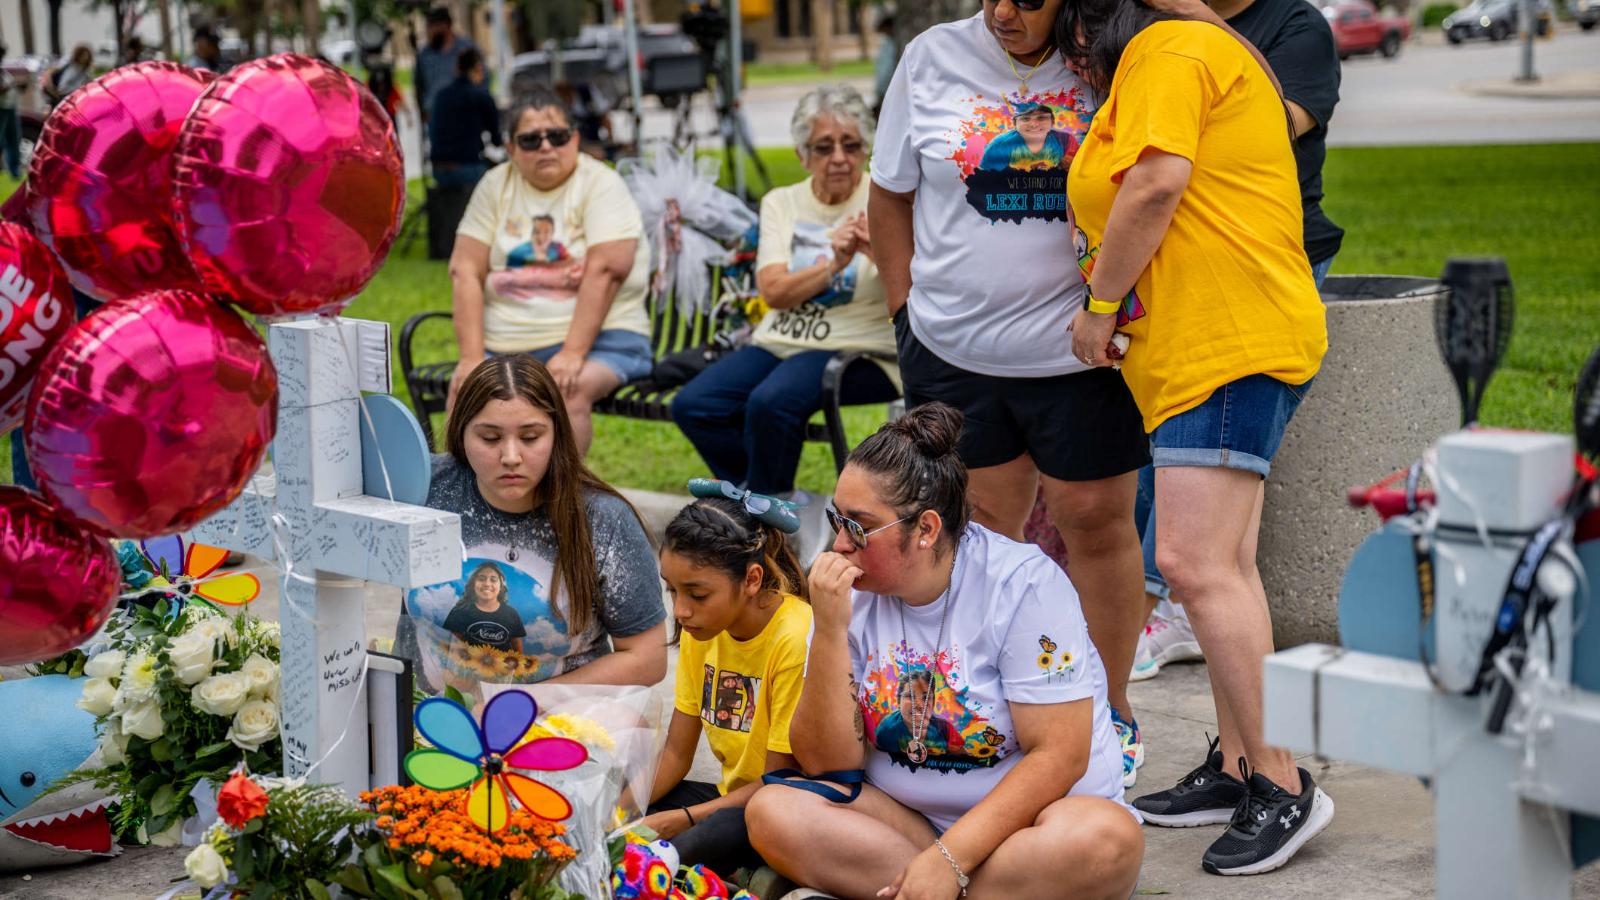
[
  {"x": 1132, "y": 747},
  {"x": 1205, "y": 796},
  {"x": 1163, "y": 642},
  {"x": 1269, "y": 827}
]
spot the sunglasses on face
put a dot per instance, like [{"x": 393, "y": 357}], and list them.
[
  {"x": 1024, "y": 5},
  {"x": 855, "y": 531},
  {"x": 826, "y": 148},
  {"x": 531, "y": 140}
]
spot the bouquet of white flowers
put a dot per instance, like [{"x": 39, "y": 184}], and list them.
[{"x": 178, "y": 697}]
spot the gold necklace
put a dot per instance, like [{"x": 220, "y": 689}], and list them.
[{"x": 1021, "y": 78}]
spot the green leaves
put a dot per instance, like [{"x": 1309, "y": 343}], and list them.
[{"x": 164, "y": 801}]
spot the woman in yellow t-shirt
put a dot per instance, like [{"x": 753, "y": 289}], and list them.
[
  {"x": 1188, "y": 211},
  {"x": 738, "y": 595}
]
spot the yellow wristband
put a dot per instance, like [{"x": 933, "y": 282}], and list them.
[{"x": 1102, "y": 307}]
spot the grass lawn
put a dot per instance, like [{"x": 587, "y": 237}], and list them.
[
  {"x": 759, "y": 73},
  {"x": 1405, "y": 211}
]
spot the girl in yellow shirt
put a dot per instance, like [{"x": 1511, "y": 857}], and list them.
[
  {"x": 1188, "y": 203},
  {"x": 738, "y": 595}
]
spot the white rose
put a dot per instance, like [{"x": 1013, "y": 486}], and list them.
[
  {"x": 261, "y": 672},
  {"x": 205, "y": 865},
  {"x": 193, "y": 654},
  {"x": 113, "y": 745},
  {"x": 98, "y": 695},
  {"x": 138, "y": 682},
  {"x": 256, "y": 723},
  {"x": 272, "y": 692},
  {"x": 105, "y": 665},
  {"x": 221, "y": 695},
  {"x": 144, "y": 721}
]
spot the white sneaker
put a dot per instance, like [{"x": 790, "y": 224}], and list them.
[{"x": 1164, "y": 641}]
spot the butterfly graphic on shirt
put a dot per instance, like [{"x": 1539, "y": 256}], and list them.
[{"x": 1055, "y": 664}]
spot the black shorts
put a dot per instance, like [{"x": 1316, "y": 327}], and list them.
[{"x": 1079, "y": 427}]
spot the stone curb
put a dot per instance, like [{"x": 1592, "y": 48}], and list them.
[{"x": 1567, "y": 86}]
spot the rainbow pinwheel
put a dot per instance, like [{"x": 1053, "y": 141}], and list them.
[
  {"x": 188, "y": 568},
  {"x": 482, "y": 757}
]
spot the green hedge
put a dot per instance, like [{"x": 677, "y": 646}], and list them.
[{"x": 1433, "y": 14}]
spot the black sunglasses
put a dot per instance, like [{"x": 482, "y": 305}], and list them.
[
  {"x": 825, "y": 148},
  {"x": 855, "y": 531},
  {"x": 1024, "y": 5},
  {"x": 531, "y": 140}
]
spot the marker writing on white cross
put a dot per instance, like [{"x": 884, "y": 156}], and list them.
[{"x": 16, "y": 290}]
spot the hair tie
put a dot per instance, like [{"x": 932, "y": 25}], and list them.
[{"x": 780, "y": 514}]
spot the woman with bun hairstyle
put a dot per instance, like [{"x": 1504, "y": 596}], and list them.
[
  {"x": 1023, "y": 796},
  {"x": 738, "y": 594}
]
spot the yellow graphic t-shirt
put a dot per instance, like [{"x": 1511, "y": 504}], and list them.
[
  {"x": 1229, "y": 292},
  {"x": 745, "y": 692},
  {"x": 797, "y": 232},
  {"x": 537, "y": 241}
]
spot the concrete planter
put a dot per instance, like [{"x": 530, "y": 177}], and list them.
[{"x": 1382, "y": 397}]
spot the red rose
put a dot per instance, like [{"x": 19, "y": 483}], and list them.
[{"x": 240, "y": 800}]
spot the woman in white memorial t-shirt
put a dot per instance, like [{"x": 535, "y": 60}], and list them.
[
  {"x": 976, "y": 702},
  {"x": 975, "y": 247}
]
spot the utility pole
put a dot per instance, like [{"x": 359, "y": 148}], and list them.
[{"x": 1530, "y": 25}]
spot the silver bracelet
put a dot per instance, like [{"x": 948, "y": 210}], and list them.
[{"x": 961, "y": 878}]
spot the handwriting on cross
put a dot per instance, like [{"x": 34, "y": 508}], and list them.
[{"x": 311, "y": 516}]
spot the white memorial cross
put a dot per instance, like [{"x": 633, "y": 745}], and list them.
[
  {"x": 312, "y": 517},
  {"x": 1503, "y": 803}
]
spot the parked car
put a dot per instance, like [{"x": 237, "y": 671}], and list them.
[
  {"x": 1586, "y": 13},
  {"x": 1492, "y": 19},
  {"x": 1358, "y": 27}
]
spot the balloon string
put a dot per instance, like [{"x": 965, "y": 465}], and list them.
[{"x": 349, "y": 721}]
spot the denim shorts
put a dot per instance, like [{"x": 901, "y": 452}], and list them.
[
  {"x": 1238, "y": 427},
  {"x": 626, "y": 353}
]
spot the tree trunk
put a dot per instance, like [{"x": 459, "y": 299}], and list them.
[
  {"x": 858, "y": 11},
  {"x": 27, "y": 26},
  {"x": 311, "y": 25},
  {"x": 822, "y": 34},
  {"x": 55, "y": 27},
  {"x": 912, "y": 19},
  {"x": 164, "y": 8}
]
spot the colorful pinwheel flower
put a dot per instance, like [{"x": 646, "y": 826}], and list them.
[
  {"x": 466, "y": 753},
  {"x": 188, "y": 568}
]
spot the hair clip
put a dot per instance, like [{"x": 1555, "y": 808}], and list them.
[{"x": 780, "y": 514}]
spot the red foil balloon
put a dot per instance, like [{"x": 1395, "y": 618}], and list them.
[
  {"x": 36, "y": 311},
  {"x": 153, "y": 414},
  {"x": 101, "y": 184},
  {"x": 58, "y": 582},
  {"x": 287, "y": 186}
]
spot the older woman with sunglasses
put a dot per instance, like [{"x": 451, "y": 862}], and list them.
[
  {"x": 976, "y": 703},
  {"x": 551, "y": 260},
  {"x": 747, "y": 414}
]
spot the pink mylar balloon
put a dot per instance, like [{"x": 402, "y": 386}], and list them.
[
  {"x": 58, "y": 581},
  {"x": 287, "y": 186},
  {"x": 36, "y": 310},
  {"x": 101, "y": 183},
  {"x": 152, "y": 414}
]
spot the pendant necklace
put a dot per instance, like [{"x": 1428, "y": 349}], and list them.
[
  {"x": 1021, "y": 78},
  {"x": 917, "y": 747}
]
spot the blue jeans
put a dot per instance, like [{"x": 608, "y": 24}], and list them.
[
  {"x": 1144, "y": 510},
  {"x": 459, "y": 174},
  {"x": 21, "y": 473},
  {"x": 747, "y": 412}
]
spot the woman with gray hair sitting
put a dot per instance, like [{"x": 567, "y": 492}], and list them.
[{"x": 747, "y": 413}]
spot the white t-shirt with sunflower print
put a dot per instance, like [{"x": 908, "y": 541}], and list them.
[{"x": 1014, "y": 634}]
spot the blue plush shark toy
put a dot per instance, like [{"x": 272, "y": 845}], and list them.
[{"x": 45, "y": 736}]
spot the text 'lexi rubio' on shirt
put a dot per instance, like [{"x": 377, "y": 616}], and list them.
[{"x": 1020, "y": 202}]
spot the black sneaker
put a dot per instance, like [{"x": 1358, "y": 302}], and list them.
[
  {"x": 1270, "y": 827},
  {"x": 1206, "y": 796}
]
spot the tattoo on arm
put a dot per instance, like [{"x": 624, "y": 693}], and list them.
[{"x": 855, "y": 704}]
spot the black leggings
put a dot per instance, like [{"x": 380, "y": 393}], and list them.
[{"x": 718, "y": 841}]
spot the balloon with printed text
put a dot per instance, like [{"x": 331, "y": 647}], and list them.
[{"x": 36, "y": 311}]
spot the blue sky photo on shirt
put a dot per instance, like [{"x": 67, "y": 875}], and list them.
[{"x": 527, "y": 586}]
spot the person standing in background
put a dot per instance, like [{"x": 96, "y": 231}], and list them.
[
  {"x": 10, "y": 127},
  {"x": 466, "y": 113},
  {"x": 436, "y": 62},
  {"x": 207, "y": 52}
]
